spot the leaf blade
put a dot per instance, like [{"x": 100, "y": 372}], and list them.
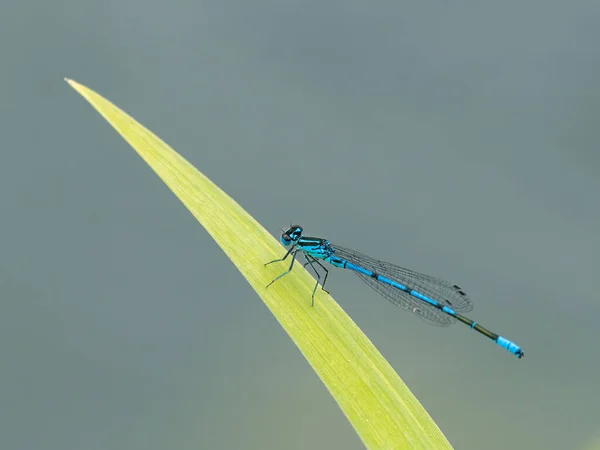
[{"x": 380, "y": 407}]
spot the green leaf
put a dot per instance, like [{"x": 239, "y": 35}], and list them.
[{"x": 380, "y": 407}]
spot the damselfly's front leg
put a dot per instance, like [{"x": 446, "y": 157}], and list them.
[
  {"x": 284, "y": 257},
  {"x": 291, "y": 265}
]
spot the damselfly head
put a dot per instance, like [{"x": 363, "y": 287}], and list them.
[{"x": 292, "y": 234}]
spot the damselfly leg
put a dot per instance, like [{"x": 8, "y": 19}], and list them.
[
  {"x": 309, "y": 261},
  {"x": 284, "y": 256},
  {"x": 293, "y": 251}
]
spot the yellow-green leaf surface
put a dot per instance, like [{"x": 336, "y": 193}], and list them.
[
  {"x": 382, "y": 410},
  {"x": 594, "y": 445}
]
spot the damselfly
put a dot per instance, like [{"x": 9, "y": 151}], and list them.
[{"x": 436, "y": 301}]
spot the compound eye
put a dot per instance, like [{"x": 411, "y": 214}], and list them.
[{"x": 285, "y": 239}]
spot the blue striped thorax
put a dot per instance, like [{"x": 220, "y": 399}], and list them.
[{"x": 315, "y": 247}]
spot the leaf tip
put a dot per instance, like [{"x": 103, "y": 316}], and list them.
[{"x": 72, "y": 83}]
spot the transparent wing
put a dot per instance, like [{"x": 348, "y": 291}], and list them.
[{"x": 443, "y": 292}]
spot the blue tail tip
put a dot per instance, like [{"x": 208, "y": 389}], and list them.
[{"x": 510, "y": 346}]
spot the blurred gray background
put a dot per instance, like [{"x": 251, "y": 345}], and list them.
[{"x": 458, "y": 139}]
